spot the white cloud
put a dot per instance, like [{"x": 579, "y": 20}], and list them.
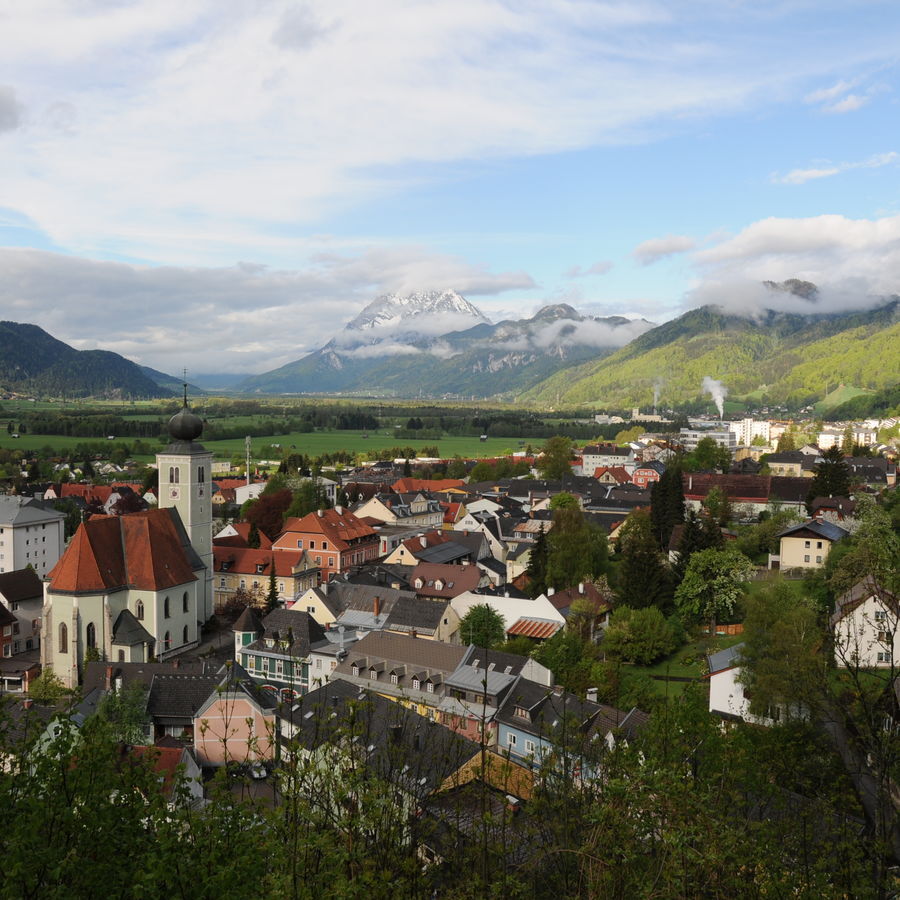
[
  {"x": 855, "y": 263},
  {"x": 850, "y": 103},
  {"x": 597, "y": 268},
  {"x": 241, "y": 318},
  {"x": 180, "y": 130},
  {"x": 800, "y": 176},
  {"x": 658, "y": 248},
  {"x": 10, "y": 109},
  {"x": 830, "y": 94}
]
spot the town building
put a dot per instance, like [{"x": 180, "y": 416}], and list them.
[{"x": 29, "y": 535}]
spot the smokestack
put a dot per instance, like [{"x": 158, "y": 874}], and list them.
[{"x": 376, "y": 606}]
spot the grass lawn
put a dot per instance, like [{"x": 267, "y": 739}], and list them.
[
  {"x": 311, "y": 443},
  {"x": 676, "y": 666}
]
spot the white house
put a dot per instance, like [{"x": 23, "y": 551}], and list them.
[
  {"x": 547, "y": 619},
  {"x": 865, "y": 624},
  {"x": 29, "y": 535},
  {"x": 727, "y": 696}
]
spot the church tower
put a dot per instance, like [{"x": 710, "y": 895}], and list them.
[{"x": 185, "y": 472}]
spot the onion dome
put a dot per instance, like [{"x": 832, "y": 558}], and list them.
[{"x": 185, "y": 425}]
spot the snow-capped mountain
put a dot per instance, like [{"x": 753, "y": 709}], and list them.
[
  {"x": 406, "y": 311},
  {"x": 439, "y": 343}
]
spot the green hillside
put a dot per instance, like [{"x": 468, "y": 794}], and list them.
[{"x": 786, "y": 359}]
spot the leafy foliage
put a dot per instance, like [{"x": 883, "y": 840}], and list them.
[
  {"x": 482, "y": 625},
  {"x": 639, "y": 635},
  {"x": 712, "y": 584}
]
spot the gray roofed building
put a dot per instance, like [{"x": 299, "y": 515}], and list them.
[{"x": 724, "y": 659}]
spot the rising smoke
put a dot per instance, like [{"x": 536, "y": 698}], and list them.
[{"x": 718, "y": 391}]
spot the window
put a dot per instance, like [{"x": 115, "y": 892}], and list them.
[
  {"x": 300, "y": 544},
  {"x": 184, "y": 602},
  {"x": 884, "y": 637},
  {"x": 880, "y": 615},
  {"x": 430, "y": 687},
  {"x": 63, "y": 638},
  {"x": 221, "y": 582},
  {"x": 184, "y": 635},
  {"x": 884, "y": 656},
  {"x": 529, "y": 746},
  {"x": 251, "y": 663},
  {"x": 416, "y": 684},
  {"x": 318, "y": 560},
  {"x": 818, "y": 545},
  {"x": 174, "y": 475},
  {"x": 511, "y": 739},
  {"x": 395, "y": 679},
  {"x": 90, "y": 635},
  {"x": 167, "y": 641},
  {"x": 312, "y": 545},
  {"x": 201, "y": 474},
  {"x": 806, "y": 557},
  {"x": 806, "y": 545},
  {"x": 818, "y": 559},
  {"x": 121, "y": 656},
  {"x": 318, "y": 663},
  {"x": 166, "y": 612},
  {"x": 279, "y": 667},
  {"x": 355, "y": 671},
  {"x": 310, "y": 609}
]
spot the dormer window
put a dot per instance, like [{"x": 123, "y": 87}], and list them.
[
  {"x": 355, "y": 671},
  {"x": 439, "y": 584},
  {"x": 430, "y": 687},
  {"x": 416, "y": 684},
  {"x": 522, "y": 713},
  {"x": 260, "y": 567},
  {"x": 419, "y": 583}
]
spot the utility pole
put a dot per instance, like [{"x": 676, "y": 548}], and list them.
[{"x": 247, "y": 448}]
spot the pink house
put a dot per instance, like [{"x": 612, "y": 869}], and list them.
[{"x": 237, "y": 723}]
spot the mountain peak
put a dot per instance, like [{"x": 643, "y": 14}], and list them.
[
  {"x": 398, "y": 310},
  {"x": 556, "y": 311}
]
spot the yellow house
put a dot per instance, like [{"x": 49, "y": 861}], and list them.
[{"x": 806, "y": 546}]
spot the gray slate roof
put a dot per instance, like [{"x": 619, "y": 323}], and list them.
[
  {"x": 128, "y": 631},
  {"x": 724, "y": 659},
  {"x": 22, "y": 584}
]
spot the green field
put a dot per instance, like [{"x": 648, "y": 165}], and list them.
[
  {"x": 839, "y": 395},
  {"x": 311, "y": 443}
]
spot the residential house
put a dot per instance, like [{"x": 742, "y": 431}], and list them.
[
  {"x": 865, "y": 625},
  {"x": 452, "y": 487},
  {"x": 536, "y": 618},
  {"x": 414, "y": 509},
  {"x": 275, "y": 651},
  {"x": 647, "y": 473},
  {"x": 589, "y": 598},
  {"x": 30, "y": 535},
  {"x": 728, "y": 697},
  {"x": 793, "y": 463},
  {"x": 806, "y": 546},
  {"x": 127, "y": 587},
  {"x": 444, "y": 582},
  {"x": 612, "y": 475},
  {"x": 596, "y": 456},
  {"x": 536, "y": 723},
  {"x": 430, "y": 546},
  {"x": 237, "y": 722},
  {"x": 335, "y": 538},
  {"x": 22, "y": 594},
  {"x": 250, "y": 570},
  {"x": 340, "y": 728}
]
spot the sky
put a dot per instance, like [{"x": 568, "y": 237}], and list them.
[{"x": 222, "y": 184}]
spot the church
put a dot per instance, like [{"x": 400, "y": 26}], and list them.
[{"x": 139, "y": 586}]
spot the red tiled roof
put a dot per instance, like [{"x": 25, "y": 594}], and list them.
[
  {"x": 451, "y": 512},
  {"x": 246, "y": 560},
  {"x": 618, "y": 472},
  {"x": 533, "y": 628},
  {"x": 456, "y": 580},
  {"x": 243, "y": 536},
  {"x": 98, "y": 493},
  {"x": 431, "y": 538},
  {"x": 339, "y": 527},
  {"x": 739, "y": 488},
  {"x": 408, "y": 485},
  {"x": 232, "y": 483},
  {"x": 141, "y": 550}
]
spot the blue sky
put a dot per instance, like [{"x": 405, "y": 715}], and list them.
[{"x": 256, "y": 172}]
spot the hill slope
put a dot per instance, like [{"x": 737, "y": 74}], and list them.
[
  {"x": 787, "y": 358},
  {"x": 32, "y": 361}
]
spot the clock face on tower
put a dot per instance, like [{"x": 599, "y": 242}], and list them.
[{"x": 173, "y": 493}]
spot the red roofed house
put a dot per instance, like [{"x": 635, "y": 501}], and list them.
[
  {"x": 412, "y": 485},
  {"x": 437, "y": 581},
  {"x": 749, "y": 494},
  {"x": 249, "y": 569},
  {"x": 612, "y": 475},
  {"x": 335, "y": 538},
  {"x": 126, "y": 587}
]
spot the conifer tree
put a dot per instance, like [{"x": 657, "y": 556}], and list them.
[{"x": 537, "y": 565}]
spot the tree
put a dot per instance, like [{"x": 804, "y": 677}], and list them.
[
  {"x": 698, "y": 533},
  {"x": 712, "y": 584},
  {"x": 47, "y": 688},
  {"x": 576, "y": 549},
  {"x": 457, "y": 468},
  {"x": 643, "y": 577},
  {"x": 667, "y": 505},
  {"x": 537, "y": 564},
  {"x": 832, "y": 478},
  {"x": 639, "y": 636},
  {"x": 482, "y": 471},
  {"x": 787, "y": 441},
  {"x": 253, "y": 539},
  {"x": 718, "y": 506},
  {"x": 483, "y": 626},
  {"x": 272, "y": 599},
  {"x": 847, "y": 440},
  {"x": 267, "y": 511},
  {"x": 87, "y": 470},
  {"x": 708, "y": 455},
  {"x": 564, "y": 500},
  {"x": 555, "y": 460}
]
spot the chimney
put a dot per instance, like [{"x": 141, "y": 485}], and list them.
[
  {"x": 320, "y": 513},
  {"x": 414, "y": 633},
  {"x": 592, "y": 695},
  {"x": 376, "y": 606},
  {"x": 423, "y": 540},
  {"x": 690, "y": 483},
  {"x": 339, "y": 510},
  {"x": 580, "y": 587},
  {"x": 551, "y": 592},
  {"x": 108, "y": 679},
  {"x": 27, "y": 703}
]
